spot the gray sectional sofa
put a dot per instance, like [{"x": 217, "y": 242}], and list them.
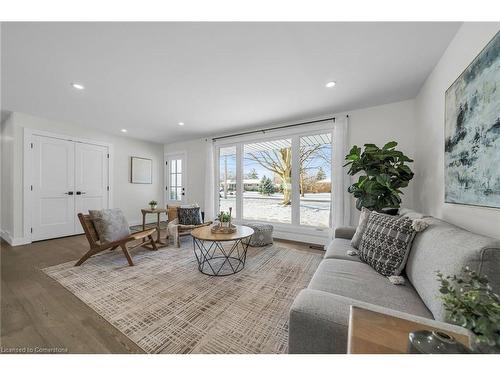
[{"x": 319, "y": 315}]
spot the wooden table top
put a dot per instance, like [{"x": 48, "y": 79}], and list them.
[
  {"x": 155, "y": 211},
  {"x": 205, "y": 234},
  {"x": 371, "y": 332}
]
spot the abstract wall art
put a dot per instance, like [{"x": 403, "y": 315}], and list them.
[{"x": 472, "y": 132}]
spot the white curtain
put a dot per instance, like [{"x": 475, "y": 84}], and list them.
[
  {"x": 341, "y": 202},
  {"x": 209, "y": 180}
]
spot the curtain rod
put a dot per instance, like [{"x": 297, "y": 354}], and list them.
[{"x": 275, "y": 128}]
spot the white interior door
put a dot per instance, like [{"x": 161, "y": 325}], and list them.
[
  {"x": 53, "y": 188},
  {"x": 176, "y": 178},
  {"x": 91, "y": 179}
]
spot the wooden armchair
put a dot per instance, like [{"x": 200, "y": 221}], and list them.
[
  {"x": 176, "y": 230},
  {"x": 97, "y": 247}
]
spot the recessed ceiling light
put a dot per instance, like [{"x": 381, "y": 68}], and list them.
[
  {"x": 77, "y": 86},
  {"x": 181, "y": 124},
  {"x": 124, "y": 130},
  {"x": 330, "y": 84}
]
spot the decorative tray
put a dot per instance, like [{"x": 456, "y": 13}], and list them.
[{"x": 223, "y": 230}]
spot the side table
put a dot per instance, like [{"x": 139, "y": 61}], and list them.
[
  {"x": 158, "y": 212},
  {"x": 373, "y": 332}
]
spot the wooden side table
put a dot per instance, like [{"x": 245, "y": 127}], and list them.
[
  {"x": 158, "y": 212},
  {"x": 372, "y": 332}
]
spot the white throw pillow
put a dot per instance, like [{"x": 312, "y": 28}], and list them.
[{"x": 363, "y": 221}]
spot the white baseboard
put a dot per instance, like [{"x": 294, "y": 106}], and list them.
[
  {"x": 299, "y": 237},
  {"x": 13, "y": 241}
]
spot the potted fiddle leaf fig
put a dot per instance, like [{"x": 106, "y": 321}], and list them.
[
  {"x": 470, "y": 302},
  {"x": 383, "y": 173}
]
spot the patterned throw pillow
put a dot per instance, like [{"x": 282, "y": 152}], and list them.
[
  {"x": 189, "y": 215},
  {"x": 110, "y": 224},
  {"x": 386, "y": 242}
]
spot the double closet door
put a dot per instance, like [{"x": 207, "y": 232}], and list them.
[{"x": 68, "y": 177}]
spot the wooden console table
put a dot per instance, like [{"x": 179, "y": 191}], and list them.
[
  {"x": 158, "y": 212},
  {"x": 372, "y": 332}
]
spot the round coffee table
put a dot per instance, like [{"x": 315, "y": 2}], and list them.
[{"x": 220, "y": 254}]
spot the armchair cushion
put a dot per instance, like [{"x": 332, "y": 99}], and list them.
[{"x": 110, "y": 224}]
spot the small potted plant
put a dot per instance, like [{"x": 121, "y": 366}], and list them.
[
  {"x": 225, "y": 219},
  {"x": 470, "y": 302},
  {"x": 153, "y": 204}
]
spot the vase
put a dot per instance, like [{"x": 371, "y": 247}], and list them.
[
  {"x": 434, "y": 342},
  {"x": 153, "y": 207}
]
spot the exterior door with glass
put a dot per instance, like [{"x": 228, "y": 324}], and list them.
[{"x": 175, "y": 167}]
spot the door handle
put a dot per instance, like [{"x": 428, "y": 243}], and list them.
[{"x": 69, "y": 193}]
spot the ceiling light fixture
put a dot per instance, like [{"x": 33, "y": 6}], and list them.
[
  {"x": 124, "y": 130},
  {"x": 330, "y": 84},
  {"x": 181, "y": 124},
  {"x": 77, "y": 86}
]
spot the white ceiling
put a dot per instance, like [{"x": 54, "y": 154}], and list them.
[{"x": 214, "y": 77}]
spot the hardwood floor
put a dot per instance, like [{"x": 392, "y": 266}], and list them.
[{"x": 38, "y": 314}]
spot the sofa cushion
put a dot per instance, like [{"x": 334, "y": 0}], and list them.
[
  {"x": 359, "y": 281},
  {"x": 448, "y": 248},
  {"x": 338, "y": 248}
]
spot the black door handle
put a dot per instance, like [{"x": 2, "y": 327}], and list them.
[{"x": 69, "y": 193}]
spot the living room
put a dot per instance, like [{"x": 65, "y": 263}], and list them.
[{"x": 251, "y": 188}]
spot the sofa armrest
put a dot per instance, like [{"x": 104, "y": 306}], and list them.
[
  {"x": 319, "y": 322},
  {"x": 345, "y": 232}
]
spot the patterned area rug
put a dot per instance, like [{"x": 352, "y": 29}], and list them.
[{"x": 165, "y": 305}]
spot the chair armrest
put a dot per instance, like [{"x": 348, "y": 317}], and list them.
[{"x": 345, "y": 232}]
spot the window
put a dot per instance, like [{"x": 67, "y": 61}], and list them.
[
  {"x": 175, "y": 178},
  {"x": 315, "y": 180},
  {"x": 227, "y": 180},
  {"x": 267, "y": 181},
  {"x": 285, "y": 180}
]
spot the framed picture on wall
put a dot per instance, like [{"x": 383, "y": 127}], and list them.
[
  {"x": 141, "y": 171},
  {"x": 472, "y": 132}
]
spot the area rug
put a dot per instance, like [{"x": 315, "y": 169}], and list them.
[{"x": 165, "y": 305}]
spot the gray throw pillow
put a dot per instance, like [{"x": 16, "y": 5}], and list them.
[
  {"x": 387, "y": 241},
  {"x": 363, "y": 220},
  {"x": 189, "y": 216},
  {"x": 110, "y": 224}
]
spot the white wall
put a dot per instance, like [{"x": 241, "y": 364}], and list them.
[
  {"x": 430, "y": 103},
  {"x": 127, "y": 196},
  {"x": 395, "y": 121},
  {"x": 7, "y": 166},
  {"x": 379, "y": 125}
]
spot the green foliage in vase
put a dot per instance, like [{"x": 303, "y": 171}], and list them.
[
  {"x": 153, "y": 203},
  {"x": 470, "y": 302},
  {"x": 224, "y": 217},
  {"x": 384, "y": 172}
]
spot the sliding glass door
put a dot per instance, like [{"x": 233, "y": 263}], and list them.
[{"x": 283, "y": 180}]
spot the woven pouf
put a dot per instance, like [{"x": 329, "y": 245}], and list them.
[{"x": 263, "y": 234}]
